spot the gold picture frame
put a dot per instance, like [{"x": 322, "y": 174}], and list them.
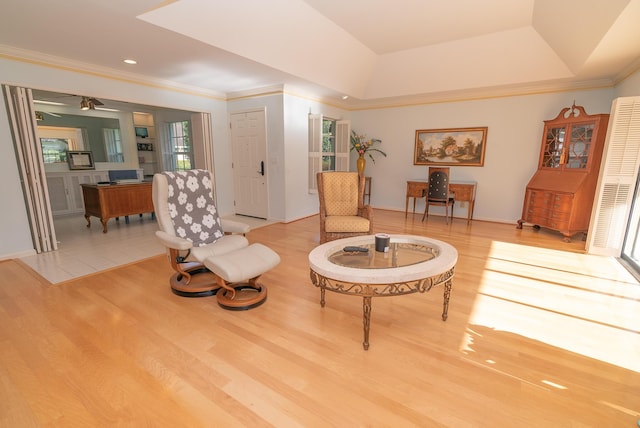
[{"x": 450, "y": 146}]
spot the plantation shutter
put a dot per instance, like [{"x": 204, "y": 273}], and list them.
[
  {"x": 342, "y": 147},
  {"x": 617, "y": 179},
  {"x": 343, "y": 131},
  {"x": 315, "y": 150}
]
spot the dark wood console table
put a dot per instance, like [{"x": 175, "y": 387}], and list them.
[
  {"x": 465, "y": 191},
  {"x": 116, "y": 200}
]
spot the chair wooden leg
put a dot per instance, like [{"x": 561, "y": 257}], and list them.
[
  {"x": 242, "y": 296},
  {"x": 199, "y": 282},
  {"x": 191, "y": 279}
]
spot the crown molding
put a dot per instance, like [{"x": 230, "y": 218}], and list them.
[
  {"x": 352, "y": 104},
  {"x": 255, "y": 92},
  {"x": 476, "y": 94},
  {"x": 46, "y": 60},
  {"x": 627, "y": 72}
]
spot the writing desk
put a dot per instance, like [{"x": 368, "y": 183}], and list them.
[
  {"x": 367, "y": 190},
  {"x": 116, "y": 200},
  {"x": 465, "y": 191}
]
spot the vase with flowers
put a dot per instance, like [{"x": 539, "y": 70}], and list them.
[{"x": 362, "y": 145}]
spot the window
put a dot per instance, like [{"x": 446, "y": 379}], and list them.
[
  {"x": 55, "y": 141},
  {"x": 54, "y": 149},
  {"x": 328, "y": 146},
  {"x": 113, "y": 144},
  {"x": 179, "y": 151},
  {"x": 631, "y": 248}
]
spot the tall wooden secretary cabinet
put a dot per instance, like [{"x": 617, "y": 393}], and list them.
[{"x": 560, "y": 194}]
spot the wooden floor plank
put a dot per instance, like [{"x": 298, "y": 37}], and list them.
[{"x": 538, "y": 334}]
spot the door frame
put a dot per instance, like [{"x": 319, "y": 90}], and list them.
[{"x": 234, "y": 160}]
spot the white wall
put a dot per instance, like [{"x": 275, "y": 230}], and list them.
[
  {"x": 272, "y": 104},
  {"x": 288, "y": 150},
  {"x": 514, "y": 138},
  {"x": 301, "y": 203},
  {"x": 513, "y": 143},
  {"x": 630, "y": 87},
  {"x": 15, "y": 238}
]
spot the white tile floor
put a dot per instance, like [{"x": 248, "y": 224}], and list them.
[{"x": 83, "y": 251}]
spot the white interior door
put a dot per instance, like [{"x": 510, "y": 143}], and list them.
[{"x": 249, "y": 142}]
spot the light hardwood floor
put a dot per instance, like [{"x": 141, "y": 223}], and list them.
[{"x": 538, "y": 335}]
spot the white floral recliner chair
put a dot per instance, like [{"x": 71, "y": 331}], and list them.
[{"x": 209, "y": 255}]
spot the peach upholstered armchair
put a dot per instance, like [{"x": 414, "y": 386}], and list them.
[{"x": 342, "y": 210}]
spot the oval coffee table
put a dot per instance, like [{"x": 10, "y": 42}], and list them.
[{"x": 413, "y": 264}]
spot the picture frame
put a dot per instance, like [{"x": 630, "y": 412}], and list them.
[
  {"x": 141, "y": 132},
  {"x": 145, "y": 147},
  {"x": 80, "y": 159},
  {"x": 450, "y": 146}
]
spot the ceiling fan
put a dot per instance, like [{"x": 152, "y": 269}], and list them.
[
  {"x": 49, "y": 113},
  {"x": 40, "y": 114},
  {"x": 90, "y": 103},
  {"x": 86, "y": 103}
]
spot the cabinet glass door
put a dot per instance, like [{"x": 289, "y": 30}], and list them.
[
  {"x": 579, "y": 146},
  {"x": 553, "y": 146}
]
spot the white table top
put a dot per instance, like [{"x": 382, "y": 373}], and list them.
[{"x": 446, "y": 259}]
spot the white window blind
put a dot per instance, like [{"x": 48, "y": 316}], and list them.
[
  {"x": 343, "y": 131},
  {"x": 315, "y": 150},
  {"x": 177, "y": 147},
  {"x": 113, "y": 144},
  {"x": 617, "y": 179}
]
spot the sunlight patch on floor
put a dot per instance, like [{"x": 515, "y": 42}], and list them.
[{"x": 581, "y": 306}]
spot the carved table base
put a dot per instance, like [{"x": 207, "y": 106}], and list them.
[{"x": 367, "y": 291}]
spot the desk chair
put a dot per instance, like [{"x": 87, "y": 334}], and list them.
[{"x": 438, "y": 192}]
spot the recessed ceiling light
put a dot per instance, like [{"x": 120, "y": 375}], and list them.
[
  {"x": 130, "y": 61},
  {"x": 345, "y": 97}
]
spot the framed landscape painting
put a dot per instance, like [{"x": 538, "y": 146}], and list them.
[{"x": 450, "y": 147}]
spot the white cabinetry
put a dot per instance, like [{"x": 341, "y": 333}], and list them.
[
  {"x": 65, "y": 192},
  {"x": 146, "y": 142}
]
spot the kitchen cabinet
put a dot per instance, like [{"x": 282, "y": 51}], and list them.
[
  {"x": 146, "y": 142},
  {"x": 65, "y": 192}
]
